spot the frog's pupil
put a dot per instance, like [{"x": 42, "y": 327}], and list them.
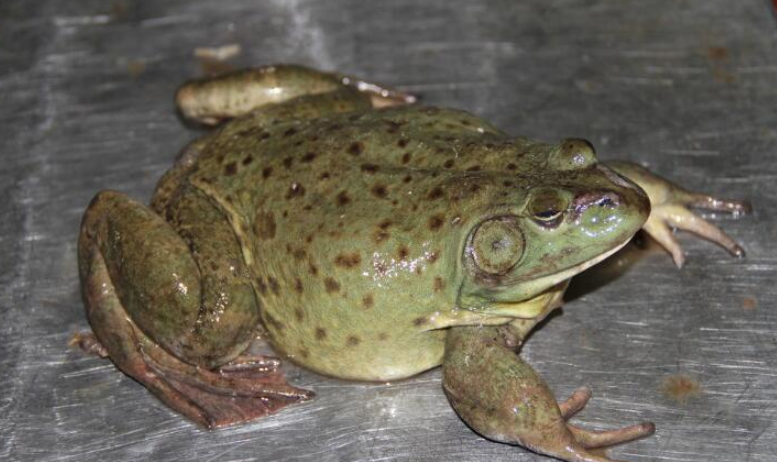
[{"x": 547, "y": 214}]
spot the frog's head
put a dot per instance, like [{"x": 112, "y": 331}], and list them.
[{"x": 554, "y": 224}]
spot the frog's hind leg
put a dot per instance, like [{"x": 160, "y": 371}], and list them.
[
  {"x": 504, "y": 399},
  {"x": 162, "y": 321},
  {"x": 213, "y": 100}
]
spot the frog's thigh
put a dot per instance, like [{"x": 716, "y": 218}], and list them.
[
  {"x": 156, "y": 316},
  {"x": 210, "y": 101}
]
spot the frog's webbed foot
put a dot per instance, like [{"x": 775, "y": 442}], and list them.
[{"x": 669, "y": 210}]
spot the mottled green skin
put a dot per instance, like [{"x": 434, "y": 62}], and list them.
[{"x": 353, "y": 227}]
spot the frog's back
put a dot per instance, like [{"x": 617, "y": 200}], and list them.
[{"x": 345, "y": 222}]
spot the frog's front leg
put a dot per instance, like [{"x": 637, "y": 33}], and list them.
[
  {"x": 173, "y": 307},
  {"x": 669, "y": 204},
  {"x": 502, "y": 398}
]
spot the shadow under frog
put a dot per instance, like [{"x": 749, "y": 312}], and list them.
[{"x": 373, "y": 239}]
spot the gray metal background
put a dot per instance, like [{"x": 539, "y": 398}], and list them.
[{"x": 687, "y": 86}]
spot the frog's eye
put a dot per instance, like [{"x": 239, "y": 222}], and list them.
[
  {"x": 497, "y": 245},
  {"x": 547, "y": 209}
]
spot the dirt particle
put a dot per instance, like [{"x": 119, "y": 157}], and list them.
[
  {"x": 348, "y": 260},
  {"x": 439, "y": 284},
  {"x": 331, "y": 285},
  {"x": 368, "y": 301},
  {"x": 749, "y": 303},
  {"x": 356, "y": 148},
  {"x": 718, "y": 53},
  {"x": 681, "y": 388},
  {"x": 436, "y": 222},
  {"x": 353, "y": 340},
  {"x": 295, "y": 190}
]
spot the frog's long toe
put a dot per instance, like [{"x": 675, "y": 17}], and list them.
[
  {"x": 575, "y": 403},
  {"x": 663, "y": 217},
  {"x": 599, "y": 439}
]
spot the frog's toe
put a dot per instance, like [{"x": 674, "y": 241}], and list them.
[
  {"x": 575, "y": 403},
  {"x": 677, "y": 216},
  {"x": 590, "y": 439}
]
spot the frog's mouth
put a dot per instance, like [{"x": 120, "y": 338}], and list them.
[{"x": 549, "y": 285}]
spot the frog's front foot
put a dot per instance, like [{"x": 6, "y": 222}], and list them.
[
  {"x": 669, "y": 209},
  {"x": 503, "y": 399}
]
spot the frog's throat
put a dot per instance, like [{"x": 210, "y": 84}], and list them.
[{"x": 499, "y": 312}]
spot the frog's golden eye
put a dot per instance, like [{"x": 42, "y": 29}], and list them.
[
  {"x": 547, "y": 209},
  {"x": 497, "y": 245}
]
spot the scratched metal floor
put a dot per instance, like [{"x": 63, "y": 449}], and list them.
[{"x": 689, "y": 87}]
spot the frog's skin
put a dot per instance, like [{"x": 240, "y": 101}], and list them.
[{"x": 370, "y": 244}]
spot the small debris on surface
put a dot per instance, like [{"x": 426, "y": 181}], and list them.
[{"x": 681, "y": 388}]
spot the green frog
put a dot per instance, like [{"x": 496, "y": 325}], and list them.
[{"x": 368, "y": 238}]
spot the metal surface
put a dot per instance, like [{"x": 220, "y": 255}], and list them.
[{"x": 689, "y": 87}]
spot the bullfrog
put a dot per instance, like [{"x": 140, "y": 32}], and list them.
[{"x": 367, "y": 237}]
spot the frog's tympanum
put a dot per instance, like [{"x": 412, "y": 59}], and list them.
[{"x": 369, "y": 238}]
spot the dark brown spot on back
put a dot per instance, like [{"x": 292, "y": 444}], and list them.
[
  {"x": 402, "y": 142},
  {"x": 308, "y": 157},
  {"x": 381, "y": 235},
  {"x": 356, "y": 148},
  {"x": 379, "y": 190},
  {"x": 353, "y": 340},
  {"x": 264, "y": 225},
  {"x": 342, "y": 198},
  {"x": 439, "y": 284},
  {"x": 448, "y": 163},
  {"x": 435, "y": 193},
  {"x": 298, "y": 285},
  {"x": 262, "y": 286},
  {"x": 402, "y": 252},
  {"x": 419, "y": 321},
  {"x": 291, "y": 131},
  {"x": 320, "y": 333},
  {"x": 406, "y": 157},
  {"x": 266, "y": 172},
  {"x": 299, "y": 314},
  {"x": 331, "y": 285},
  {"x": 348, "y": 260},
  {"x": 312, "y": 268},
  {"x": 511, "y": 166},
  {"x": 384, "y": 224},
  {"x": 274, "y": 285},
  {"x": 436, "y": 222},
  {"x": 324, "y": 176},
  {"x": 369, "y": 168},
  {"x": 383, "y": 336},
  {"x": 474, "y": 168},
  {"x": 230, "y": 169},
  {"x": 368, "y": 301},
  {"x": 407, "y": 179},
  {"x": 248, "y": 159},
  {"x": 433, "y": 257},
  {"x": 288, "y": 161}
]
